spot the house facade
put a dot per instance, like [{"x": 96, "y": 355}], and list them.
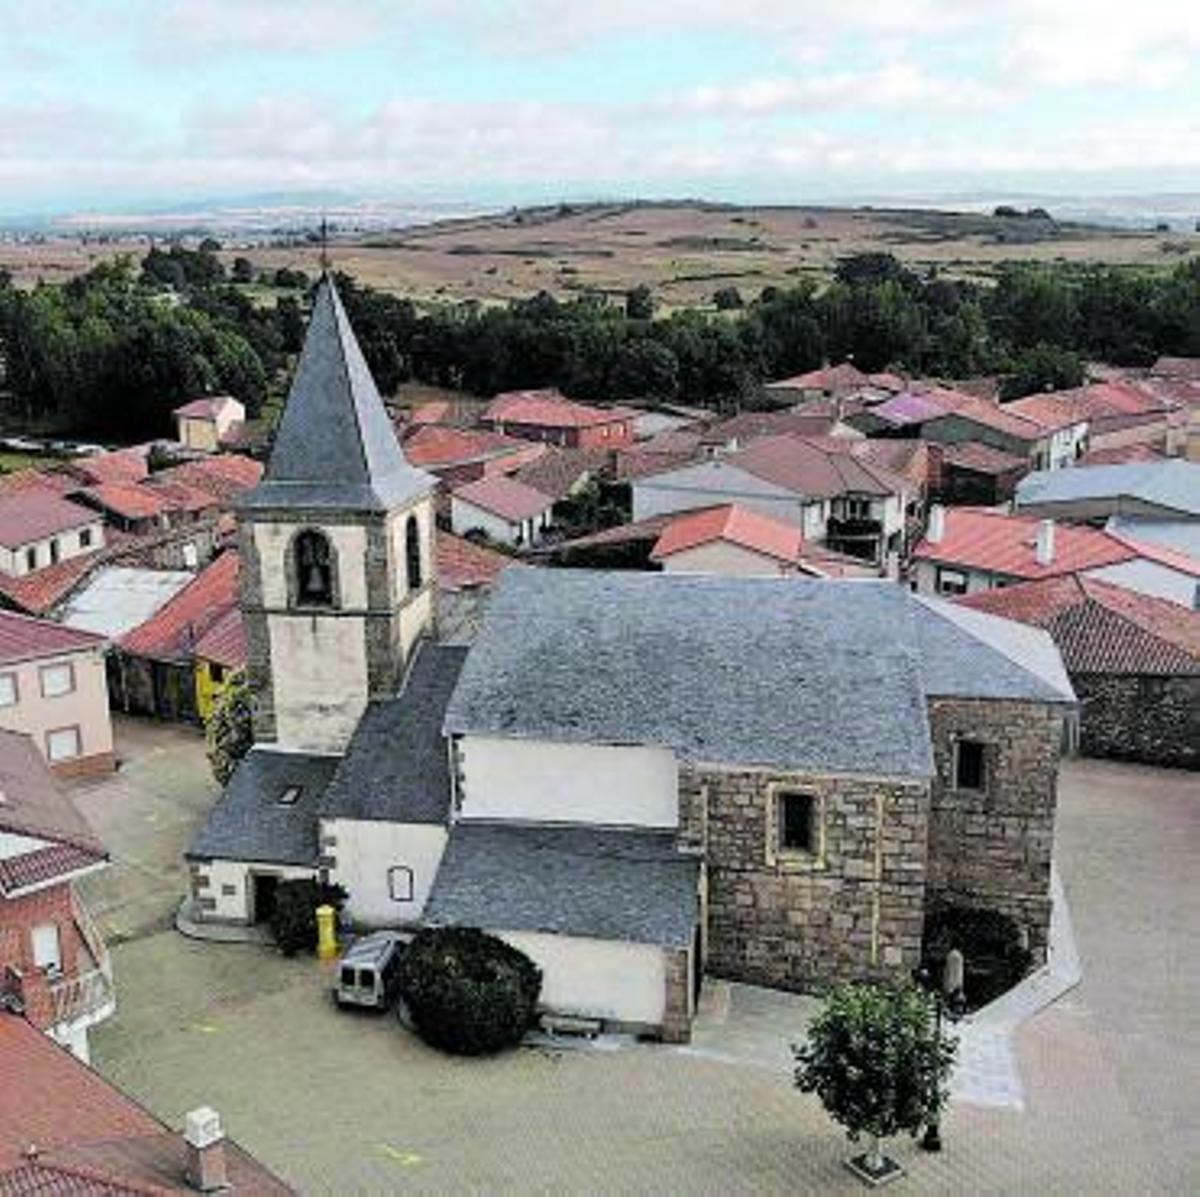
[
  {"x": 577, "y": 781},
  {"x": 54, "y": 966},
  {"x": 204, "y": 424},
  {"x": 552, "y": 418},
  {"x": 39, "y": 529}
]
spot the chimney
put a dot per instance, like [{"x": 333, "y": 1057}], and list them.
[
  {"x": 205, "y": 1150},
  {"x": 937, "y": 524},
  {"x": 1045, "y": 542}
]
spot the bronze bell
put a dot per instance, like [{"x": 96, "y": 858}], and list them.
[{"x": 315, "y": 583}]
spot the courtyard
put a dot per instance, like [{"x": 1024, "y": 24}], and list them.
[{"x": 346, "y": 1103}]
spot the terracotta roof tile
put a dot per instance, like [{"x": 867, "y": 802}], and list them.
[
  {"x": 549, "y": 408},
  {"x": 432, "y": 446},
  {"x": 981, "y": 458},
  {"x": 463, "y": 565},
  {"x": 842, "y": 376},
  {"x": 207, "y": 407},
  {"x": 44, "y": 864},
  {"x": 171, "y": 634},
  {"x": 37, "y": 480},
  {"x": 1120, "y": 455},
  {"x": 924, "y": 404},
  {"x": 129, "y": 500},
  {"x": 225, "y": 642},
  {"x": 45, "y": 588},
  {"x": 732, "y": 523},
  {"x": 223, "y": 476},
  {"x": 558, "y": 471},
  {"x": 122, "y": 465},
  {"x": 32, "y": 514},
  {"x": 23, "y": 638},
  {"x": 505, "y": 497},
  {"x": 818, "y": 467}
]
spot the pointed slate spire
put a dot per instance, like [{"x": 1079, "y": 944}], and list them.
[{"x": 335, "y": 446}]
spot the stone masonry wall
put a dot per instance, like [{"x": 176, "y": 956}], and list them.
[
  {"x": 854, "y": 909},
  {"x": 1140, "y": 718},
  {"x": 992, "y": 847}
]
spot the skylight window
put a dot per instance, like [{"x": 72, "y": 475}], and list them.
[{"x": 289, "y": 797}]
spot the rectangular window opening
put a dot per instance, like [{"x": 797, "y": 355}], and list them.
[
  {"x": 796, "y": 822},
  {"x": 969, "y": 766}
]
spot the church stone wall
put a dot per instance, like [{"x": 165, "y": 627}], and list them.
[{"x": 852, "y": 910}]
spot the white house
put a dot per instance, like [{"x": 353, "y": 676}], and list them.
[
  {"x": 508, "y": 511},
  {"x": 39, "y": 528},
  {"x": 205, "y": 424}
]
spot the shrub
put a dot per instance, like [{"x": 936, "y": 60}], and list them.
[
  {"x": 294, "y": 919},
  {"x": 994, "y": 955},
  {"x": 230, "y": 730},
  {"x": 468, "y": 992}
]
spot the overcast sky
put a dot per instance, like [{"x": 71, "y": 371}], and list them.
[{"x": 124, "y": 101}]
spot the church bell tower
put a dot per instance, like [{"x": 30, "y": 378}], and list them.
[{"x": 337, "y": 549}]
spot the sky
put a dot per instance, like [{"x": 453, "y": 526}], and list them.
[{"x": 145, "y": 102}]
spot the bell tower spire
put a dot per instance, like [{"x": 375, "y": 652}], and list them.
[{"x": 338, "y": 570}]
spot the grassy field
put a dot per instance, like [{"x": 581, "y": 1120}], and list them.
[{"x": 683, "y": 251}]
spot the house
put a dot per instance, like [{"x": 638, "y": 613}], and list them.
[
  {"x": 966, "y": 550},
  {"x": 1064, "y": 425},
  {"x": 54, "y": 967},
  {"x": 811, "y": 420},
  {"x": 204, "y": 425},
  {"x": 152, "y": 669},
  {"x": 52, "y": 689},
  {"x": 459, "y": 455},
  {"x": 508, "y": 511},
  {"x": 829, "y": 382},
  {"x": 630, "y": 776},
  {"x": 1164, "y": 489},
  {"x": 1133, "y": 660},
  {"x": 834, "y": 495},
  {"x": 549, "y": 416},
  {"x": 130, "y": 464},
  {"x": 39, "y": 529},
  {"x": 119, "y": 598},
  {"x": 65, "y": 1129},
  {"x": 465, "y": 574},
  {"x": 972, "y": 473},
  {"x": 220, "y": 657}
]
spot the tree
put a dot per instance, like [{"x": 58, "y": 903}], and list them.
[
  {"x": 243, "y": 270},
  {"x": 639, "y": 303},
  {"x": 1043, "y": 368},
  {"x": 727, "y": 299},
  {"x": 645, "y": 370},
  {"x": 294, "y": 916},
  {"x": 230, "y": 730},
  {"x": 878, "y": 1060}
]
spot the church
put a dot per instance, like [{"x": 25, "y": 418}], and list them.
[{"x": 635, "y": 778}]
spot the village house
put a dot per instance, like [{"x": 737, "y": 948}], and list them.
[
  {"x": 460, "y": 455},
  {"x": 54, "y": 967},
  {"x": 833, "y": 382},
  {"x": 505, "y": 510},
  {"x": 204, "y": 425},
  {"x": 966, "y": 550},
  {"x": 1133, "y": 660},
  {"x": 1167, "y": 489},
  {"x": 65, "y": 1129},
  {"x": 971, "y": 473},
  {"x": 52, "y": 689},
  {"x": 549, "y": 416},
  {"x": 39, "y": 529},
  {"x": 632, "y": 777},
  {"x": 834, "y": 495}
]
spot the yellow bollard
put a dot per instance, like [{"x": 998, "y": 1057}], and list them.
[{"x": 327, "y": 944}]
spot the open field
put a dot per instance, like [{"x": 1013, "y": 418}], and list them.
[{"x": 683, "y": 251}]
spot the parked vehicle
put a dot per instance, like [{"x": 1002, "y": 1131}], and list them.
[{"x": 369, "y": 971}]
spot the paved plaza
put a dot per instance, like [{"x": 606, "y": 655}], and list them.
[{"x": 348, "y": 1103}]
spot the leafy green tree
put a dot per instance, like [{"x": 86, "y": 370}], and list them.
[
  {"x": 727, "y": 299},
  {"x": 230, "y": 730},
  {"x": 243, "y": 270},
  {"x": 294, "y": 917},
  {"x": 1042, "y": 368},
  {"x": 878, "y": 1061},
  {"x": 645, "y": 370},
  {"x": 639, "y": 303}
]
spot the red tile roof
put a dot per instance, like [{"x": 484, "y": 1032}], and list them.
[
  {"x": 557, "y": 472},
  {"x": 1160, "y": 553},
  {"x": 224, "y": 475},
  {"x": 57, "y": 861},
  {"x": 981, "y": 458},
  {"x": 23, "y": 638},
  {"x": 1120, "y": 455},
  {"x": 1006, "y": 544},
  {"x": 225, "y": 642},
  {"x": 171, "y": 634},
  {"x": 549, "y": 408},
  {"x": 122, "y": 465},
  {"x": 90, "y": 1138},
  {"x": 205, "y": 408},
  {"x": 1177, "y": 367},
  {"x": 815, "y": 467},
  {"x": 37, "y": 480},
  {"x": 924, "y": 404},
  {"x": 34, "y": 514},
  {"x": 732, "y": 523},
  {"x": 462, "y": 565},
  {"x": 434, "y": 411},
  {"x": 430, "y": 446},
  {"x": 1047, "y": 411},
  {"x": 1102, "y": 628},
  {"x": 129, "y": 500},
  {"x": 45, "y": 588},
  {"x": 505, "y": 497},
  {"x": 751, "y": 425},
  {"x": 843, "y": 376}
]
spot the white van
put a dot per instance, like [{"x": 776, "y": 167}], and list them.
[{"x": 369, "y": 972}]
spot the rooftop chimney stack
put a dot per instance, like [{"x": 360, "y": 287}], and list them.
[
  {"x": 205, "y": 1150},
  {"x": 937, "y": 524},
  {"x": 1045, "y": 542}
]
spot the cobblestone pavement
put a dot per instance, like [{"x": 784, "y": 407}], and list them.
[{"x": 346, "y": 1103}]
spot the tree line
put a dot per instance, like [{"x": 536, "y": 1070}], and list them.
[{"x": 112, "y": 351}]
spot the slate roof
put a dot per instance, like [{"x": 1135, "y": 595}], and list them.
[
  {"x": 632, "y": 886},
  {"x": 1172, "y": 484},
  {"x": 1102, "y": 628},
  {"x": 249, "y": 823},
  {"x": 34, "y": 514},
  {"x": 23, "y": 638},
  {"x": 335, "y": 446},
  {"x": 396, "y": 766},
  {"x": 794, "y": 674}
]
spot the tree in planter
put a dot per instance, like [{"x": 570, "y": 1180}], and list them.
[
  {"x": 294, "y": 918},
  {"x": 880, "y": 1064},
  {"x": 468, "y": 992},
  {"x": 230, "y": 730}
]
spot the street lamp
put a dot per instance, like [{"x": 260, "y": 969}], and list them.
[{"x": 950, "y": 1002}]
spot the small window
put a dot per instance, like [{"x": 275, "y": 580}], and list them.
[
  {"x": 216, "y": 673},
  {"x": 795, "y": 822},
  {"x": 47, "y": 950},
  {"x": 289, "y": 797},
  {"x": 31, "y": 558},
  {"x": 348, "y": 978},
  {"x": 57, "y": 680},
  {"x": 85, "y": 538},
  {"x": 62, "y": 744},
  {"x": 54, "y": 551},
  {"x": 951, "y": 581},
  {"x": 9, "y": 694},
  {"x": 969, "y": 766},
  {"x": 400, "y": 883},
  {"x": 314, "y": 570},
  {"x": 412, "y": 552}
]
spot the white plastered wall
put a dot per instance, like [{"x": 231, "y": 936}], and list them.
[
  {"x": 235, "y": 876},
  {"x": 730, "y": 560},
  {"x": 546, "y": 782}
]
